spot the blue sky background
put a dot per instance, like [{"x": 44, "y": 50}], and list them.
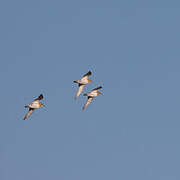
[{"x": 132, "y": 131}]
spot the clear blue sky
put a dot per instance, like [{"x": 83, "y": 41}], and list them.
[{"x": 131, "y": 132}]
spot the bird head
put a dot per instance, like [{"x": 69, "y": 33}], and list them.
[
  {"x": 41, "y": 104},
  {"x": 89, "y": 80},
  {"x": 99, "y": 93}
]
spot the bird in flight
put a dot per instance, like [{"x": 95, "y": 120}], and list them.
[
  {"x": 36, "y": 104},
  {"x": 91, "y": 95},
  {"x": 82, "y": 82}
]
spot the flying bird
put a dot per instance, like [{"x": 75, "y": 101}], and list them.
[
  {"x": 91, "y": 95},
  {"x": 82, "y": 82},
  {"x": 36, "y": 104}
]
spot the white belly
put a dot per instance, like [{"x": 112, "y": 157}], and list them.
[
  {"x": 34, "y": 105},
  {"x": 84, "y": 81},
  {"x": 93, "y": 94}
]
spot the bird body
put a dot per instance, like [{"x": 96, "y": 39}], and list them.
[
  {"x": 82, "y": 82},
  {"x": 36, "y": 104},
  {"x": 91, "y": 95}
]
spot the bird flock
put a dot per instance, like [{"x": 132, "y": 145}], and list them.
[{"x": 36, "y": 104}]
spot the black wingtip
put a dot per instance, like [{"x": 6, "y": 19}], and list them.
[
  {"x": 41, "y": 96},
  {"x": 99, "y": 87},
  {"x": 89, "y": 73}
]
